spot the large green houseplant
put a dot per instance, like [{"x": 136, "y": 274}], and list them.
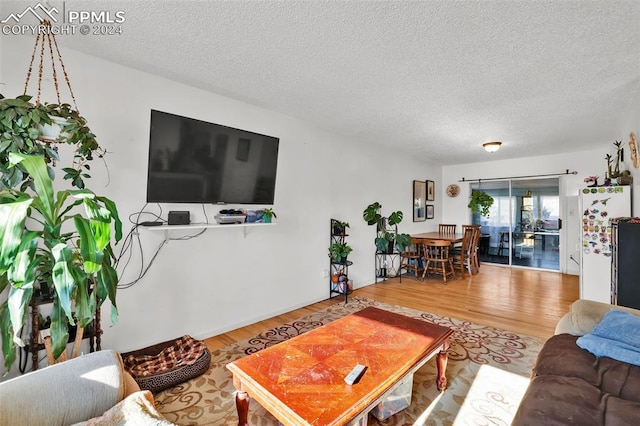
[
  {"x": 387, "y": 236},
  {"x": 45, "y": 240},
  {"x": 42, "y": 233}
]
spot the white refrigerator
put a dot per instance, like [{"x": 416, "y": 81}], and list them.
[{"x": 598, "y": 205}]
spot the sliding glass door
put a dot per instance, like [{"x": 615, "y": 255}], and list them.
[{"x": 522, "y": 227}]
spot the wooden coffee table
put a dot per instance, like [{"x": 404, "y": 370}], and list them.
[{"x": 301, "y": 380}]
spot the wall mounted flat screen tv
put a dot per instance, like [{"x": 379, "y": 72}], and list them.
[{"x": 193, "y": 161}]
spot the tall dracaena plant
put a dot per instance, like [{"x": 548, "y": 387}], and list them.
[{"x": 42, "y": 234}]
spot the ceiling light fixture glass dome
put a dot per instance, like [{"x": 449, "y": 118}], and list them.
[{"x": 492, "y": 146}]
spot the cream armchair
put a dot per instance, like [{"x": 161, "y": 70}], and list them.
[{"x": 71, "y": 392}]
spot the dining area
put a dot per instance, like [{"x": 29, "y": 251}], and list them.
[{"x": 449, "y": 253}]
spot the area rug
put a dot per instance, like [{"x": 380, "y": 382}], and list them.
[{"x": 488, "y": 372}]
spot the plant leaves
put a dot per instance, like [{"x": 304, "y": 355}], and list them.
[{"x": 6, "y": 331}]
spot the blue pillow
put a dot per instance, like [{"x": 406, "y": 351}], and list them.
[{"x": 617, "y": 336}]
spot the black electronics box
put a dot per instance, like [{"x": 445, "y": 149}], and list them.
[{"x": 178, "y": 217}]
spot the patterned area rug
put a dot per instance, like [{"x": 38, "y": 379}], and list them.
[{"x": 488, "y": 373}]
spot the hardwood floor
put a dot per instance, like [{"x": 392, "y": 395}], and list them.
[{"x": 521, "y": 300}]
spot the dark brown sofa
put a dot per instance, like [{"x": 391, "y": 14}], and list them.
[{"x": 570, "y": 386}]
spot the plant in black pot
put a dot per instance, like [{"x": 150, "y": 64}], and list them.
[
  {"x": 387, "y": 237},
  {"x": 338, "y": 227},
  {"x": 338, "y": 252}
]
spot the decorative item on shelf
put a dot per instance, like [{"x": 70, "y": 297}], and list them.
[
  {"x": 480, "y": 202},
  {"x": 268, "y": 215},
  {"x": 387, "y": 238},
  {"x": 338, "y": 252},
  {"x": 592, "y": 180},
  {"x": 453, "y": 190}
]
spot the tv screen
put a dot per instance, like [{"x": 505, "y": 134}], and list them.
[{"x": 193, "y": 161}]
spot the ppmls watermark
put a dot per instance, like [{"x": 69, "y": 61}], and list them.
[{"x": 64, "y": 22}]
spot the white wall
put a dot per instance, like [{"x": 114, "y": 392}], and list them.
[
  {"x": 586, "y": 163},
  {"x": 222, "y": 280}
]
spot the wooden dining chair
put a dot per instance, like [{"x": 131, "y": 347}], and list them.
[
  {"x": 413, "y": 258},
  {"x": 445, "y": 228},
  {"x": 475, "y": 244},
  {"x": 437, "y": 259},
  {"x": 463, "y": 257}
]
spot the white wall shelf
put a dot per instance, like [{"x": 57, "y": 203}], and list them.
[{"x": 194, "y": 226}]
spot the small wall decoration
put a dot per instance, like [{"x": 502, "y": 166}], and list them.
[
  {"x": 419, "y": 198},
  {"x": 453, "y": 190},
  {"x": 430, "y": 211},
  {"x": 431, "y": 190},
  {"x": 633, "y": 147}
]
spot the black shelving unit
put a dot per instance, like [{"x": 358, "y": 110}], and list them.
[
  {"x": 389, "y": 264},
  {"x": 338, "y": 271}
]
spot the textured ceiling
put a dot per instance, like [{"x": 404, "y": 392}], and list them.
[{"x": 433, "y": 78}]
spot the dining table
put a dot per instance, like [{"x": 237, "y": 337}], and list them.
[{"x": 452, "y": 238}]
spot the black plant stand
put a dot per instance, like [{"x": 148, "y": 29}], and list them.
[{"x": 337, "y": 270}]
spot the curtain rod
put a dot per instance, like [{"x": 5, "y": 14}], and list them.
[{"x": 567, "y": 172}]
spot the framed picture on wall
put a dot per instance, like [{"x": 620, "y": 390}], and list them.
[
  {"x": 430, "y": 211},
  {"x": 431, "y": 191},
  {"x": 419, "y": 198}
]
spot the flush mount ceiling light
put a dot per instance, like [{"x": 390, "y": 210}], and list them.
[{"x": 492, "y": 146}]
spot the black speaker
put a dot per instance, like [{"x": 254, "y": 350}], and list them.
[{"x": 179, "y": 218}]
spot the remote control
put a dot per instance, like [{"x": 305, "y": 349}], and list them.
[{"x": 355, "y": 374}]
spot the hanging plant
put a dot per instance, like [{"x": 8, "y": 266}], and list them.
[
  {"x": 25, "y": 126},
  {"x": 21, "y": 125},
  {"x": 480, "y": 203}
]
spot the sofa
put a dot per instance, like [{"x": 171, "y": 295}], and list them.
[
  {"x": 571, "y": 386},
  {"x": 92, "y": 389}
]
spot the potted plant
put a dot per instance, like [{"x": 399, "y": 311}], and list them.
[
  {"x": 267, "y": 215},
  {"x": 42, "y": 233},
  {"x": 387, "y": 236},
  {"x": 613, "y": 168},
  {"x": 338, "y": 252},
  {"x": 43, "y": 237},
  {"x": 338, "y": 227},
  {"x": 21, "y": 130},
  {"x": 625, "y": 178},
  {"x": 480, "y": 202}
]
